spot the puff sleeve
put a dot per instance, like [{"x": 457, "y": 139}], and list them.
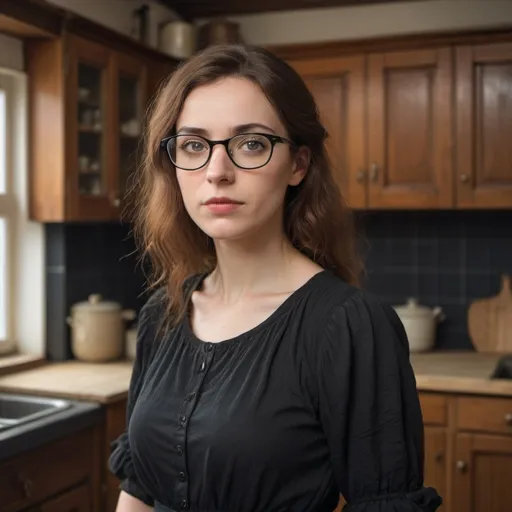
[
  {"x": 369, "y": 409},
  {"x": 120, "y": 461}
]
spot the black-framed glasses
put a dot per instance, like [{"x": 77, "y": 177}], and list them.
[{"x": 246, "y": 150}]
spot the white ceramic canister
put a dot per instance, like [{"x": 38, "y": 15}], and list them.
[
  {"x": 420, "y": 324},
  {"x": 98, "y": 330},
  {"x": 178, "y": 39}
]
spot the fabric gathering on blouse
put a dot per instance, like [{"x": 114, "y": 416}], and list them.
[{"x": 317, "y": 400}]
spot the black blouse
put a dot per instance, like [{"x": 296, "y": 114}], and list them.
[{"x": 318, "y": 399}]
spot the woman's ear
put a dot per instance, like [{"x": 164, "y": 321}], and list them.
[{"x": 300, "y": 167}]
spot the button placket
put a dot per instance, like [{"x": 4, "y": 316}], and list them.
[{"x": 185, "y": 414}]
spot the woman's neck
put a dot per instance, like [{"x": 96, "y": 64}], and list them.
[{"x": 257, "y": 265}]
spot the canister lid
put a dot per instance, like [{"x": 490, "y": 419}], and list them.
[{"x": 95, "y": 302}]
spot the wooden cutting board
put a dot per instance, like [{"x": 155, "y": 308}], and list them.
[{"x": 490, "y": 321}]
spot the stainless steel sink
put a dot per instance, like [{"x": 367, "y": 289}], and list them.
[{"x": 19, "y": 409}]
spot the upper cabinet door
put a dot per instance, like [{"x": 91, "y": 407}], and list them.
[
  {"x": 484, "y": 126},
  {"x": 337, "y": 85},
  {"x": 410, "y": 129},
  {"x": 88, "y": 142},
  {"x": 130, "y": 98}
]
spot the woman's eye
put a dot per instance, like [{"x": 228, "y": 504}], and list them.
[
  {"x": 193, "y": 146},
  {"x": 253, "y": 145},
  {"x": 256, "y": 144}
]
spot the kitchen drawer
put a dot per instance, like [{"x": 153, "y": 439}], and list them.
[
  {"x": 434, "y": 409},
  {"x": 36, "y": 475},
  {"x": 484, "y": 414}
]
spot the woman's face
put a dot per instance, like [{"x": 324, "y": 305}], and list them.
[{"x": 227, "y": 202}]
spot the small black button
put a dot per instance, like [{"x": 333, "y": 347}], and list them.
[
  {"x": 179, "y": 449},
  {"x": 209, "y": 347},
  {"x": 183, "y": 419},
  {"x": 184, "y": 504},
  {"x": 182, "y": 476},
  {"x": 191, "y": 396}
]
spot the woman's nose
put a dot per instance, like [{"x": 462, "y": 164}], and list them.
[{"x": 220, "y": 167}]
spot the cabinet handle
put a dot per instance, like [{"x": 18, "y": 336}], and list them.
[
  {"x": 508, "y": 419},
  {"x": 462, "y": 466},
  {"x": 439, "y": 457},
  {"x": 28, "y": 487},
  {"x": 360, "y": 176},
  {"x": 116, "y": 202},
  {"x": 374, "y": 172},
  {"x": 464, "y": 178}
]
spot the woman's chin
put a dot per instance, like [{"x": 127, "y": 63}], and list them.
[{"x": 226, "y": 229}]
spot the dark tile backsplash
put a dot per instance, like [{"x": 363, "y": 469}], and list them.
[
  {"x": 82, "y": 259},
  {"x": 442, "y": 258}
]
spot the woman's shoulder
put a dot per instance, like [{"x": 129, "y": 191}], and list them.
[
  {"x": 334, "y": 293},
  {"x": 342, "y": 306}
]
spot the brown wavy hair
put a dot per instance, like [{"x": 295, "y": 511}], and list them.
[{"x": 316, "y": 219}]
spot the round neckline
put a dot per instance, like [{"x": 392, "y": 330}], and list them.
[{"x": 229, "y": 342}]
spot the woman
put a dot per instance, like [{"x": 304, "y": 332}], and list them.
[{"x": 265, "y": 380}]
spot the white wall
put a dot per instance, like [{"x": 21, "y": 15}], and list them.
[
  {"x": 371, "y": 20},
  {"x": 117, "y": 14}
]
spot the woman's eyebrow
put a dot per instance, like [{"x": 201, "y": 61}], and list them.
[
  {"x": 192, "y": 130},
  {"x": 242, "y": 128}
]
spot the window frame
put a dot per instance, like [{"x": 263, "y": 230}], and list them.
[{"x": 13, "y": 86}]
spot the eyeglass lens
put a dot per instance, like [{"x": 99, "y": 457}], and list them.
[{"x": 191, "y": 152}]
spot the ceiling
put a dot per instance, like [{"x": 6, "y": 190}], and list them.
[{"x": 190, "y": 9}]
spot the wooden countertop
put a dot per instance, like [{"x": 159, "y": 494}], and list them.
[
  {"x": 459, "y": 372},
  {"x": 104, "y": 383},
  {"x": 451, "y": 372}
]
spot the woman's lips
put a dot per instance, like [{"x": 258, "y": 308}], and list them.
[{"x": 222, "y": 205}]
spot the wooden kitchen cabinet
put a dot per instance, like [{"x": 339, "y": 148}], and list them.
[
  {"x": 75, "y": 500},
  {"x": 484, "y": 125},
  {"x": 337, "y": 84},
  {"x": 389, "y": 120},
  {"x": 61, "y": 476},
  {"x": 483, "y": 469},
  {"x": 87, "y": 103},
  {"x": 434, "y": 409},
  {"x": 436, "y": 462},
  {"x": 115, "y": 425},
  {"x": 468, "y": 451},
  {"x": 412, "y": 125},
  {"x": 409, "y": 105}
]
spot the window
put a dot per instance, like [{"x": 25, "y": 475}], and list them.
[{"x": 11, "y": 139}]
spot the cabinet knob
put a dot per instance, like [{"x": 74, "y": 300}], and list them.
[
  {"x": 374, "y": 172},
  {"x": 508, "y": 419},
  {"x": 462, "y": 466},
  {"x": 464, "y": 178},
  {"x": 26, "y": 483},
  {"x": 439, "y": 457},
  {"x": 28, "y": 487},
  {"x": 116, "y": 202},
  {"x": 360, "y": 176}
]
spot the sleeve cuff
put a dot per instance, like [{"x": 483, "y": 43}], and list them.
[
  {"x": 133, "y": 489},
  {"x": 425, "y": 499}
]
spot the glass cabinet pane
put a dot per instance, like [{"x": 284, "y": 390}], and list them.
[
  {"x": 91, "y": 130},
  {"x": 130, "y": 127}
]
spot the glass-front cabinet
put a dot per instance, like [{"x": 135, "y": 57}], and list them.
[
  {"x": 108, "y": 96},
  {"x": 131, "y": 83},
  {"x": 88, "y": 101},
  {"x": 89, "y": 129}
]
